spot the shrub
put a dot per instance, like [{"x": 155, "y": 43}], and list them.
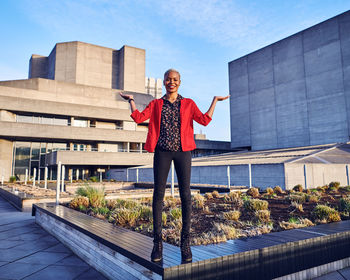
[
  {"x": 12, "y": 179},
  {"x": 235, "y": 198},
  {"x": 112, "y": 204},
  {"x": 102, "y": 211},
  {"x": 232, "y": 215},
  {"x": 278, "y": 190},
  {"x": 198, "y": 201},
  {"x": 126, "y": 203},
  {"x": 208, "y": 195},
  {"x": 334, "y": 185},
  {"x": 297, "y": 206},
  {"x": 295, "y": 223},
  {"x": 297, "y": 197},
  {"x": 126, "y": 217},
  {"x": 229, "y": 231},
  {"x": 256, "y": 205},
  {"x": 93, "y": 179},
  {"x": 325, "y": 213},
  {"x": 215, "y": 194},
  {"x": 79, "y": 201},
  {"x": 96, "y": 196},
  {"x": 176, "y": 213},
  {"x": 344, "y": 204},
  {"x": 262, "y": 216},
  {"x": 270, "y": 191},
  {"x": 313, "y": 198},
  {"x": 164, "y": 218},
  {"x": 298, "y": 188},
  {"x": 253, "y": 192},
  {"x": 171, "y": 202},
  {"x": 146, "y": 213}
]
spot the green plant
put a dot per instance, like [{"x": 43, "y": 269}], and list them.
[
  {"x": 146, "y": 213},
  {"x": 253, "y": 192},
  {"x": 297, "y": 206},
  {"x": 278, "y": 190},
  {"x": 295, "y": 222},
  {"x": 164, "y": 218},
  {"x": 334, "y": 186},
  {"x": 344, "y": 204},
  {"x": 93, "y": 179},
  {"x": 297, "y": 197},
  {"x": 126, "y": 203},
  {"x": 215, "y": 194},
  {"x": 79, "y": 201},
  {"x": 112, "y": 204},
  {"x": 262, "y": 216},
  {"x": 256, "y": 204},
  {"x": 325, "y": 213},
  {"x": 313, "y": 198},
  {"x": 96, "y": 196},
  {"x": 229, "y": 231},
  {"x": 232, "y": 215},
  {"x": 101, "y": 210},
  {"x": 208, "y": 195},
  {"x": 12, "y": 179},
  {"x": 175, "y": 213},
  {"x": 298, "y": 188},
  {"x": 270, "y": 191},
  {"x": 198, "y": 201},
  {"x": 171, "y": 202},
  {"x": 126, "y": 217}
]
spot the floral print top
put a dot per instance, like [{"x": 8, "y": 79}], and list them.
[{"x": 170, "y": 125}]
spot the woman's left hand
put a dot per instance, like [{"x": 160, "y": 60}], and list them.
[{"x": 221, "y": 98}]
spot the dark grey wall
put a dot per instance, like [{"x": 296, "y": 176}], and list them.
[{"x": 295, "y": 92}]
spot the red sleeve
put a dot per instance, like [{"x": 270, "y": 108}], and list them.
[
  {"x": 199, "y": 117},
  {"x": 144, "y": 115}
]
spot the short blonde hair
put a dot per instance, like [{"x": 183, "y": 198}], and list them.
[{"x": 171, "y": 70}]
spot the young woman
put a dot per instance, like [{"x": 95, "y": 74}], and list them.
[{"x": 170, "y": 136}]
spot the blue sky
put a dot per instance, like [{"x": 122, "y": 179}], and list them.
[{"x": 198, "y": 38}]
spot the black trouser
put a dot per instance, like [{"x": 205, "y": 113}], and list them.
[{"x": 161, "y": 165}]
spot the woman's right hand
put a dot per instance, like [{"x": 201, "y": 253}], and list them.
[{"x": 126, "y": 96}]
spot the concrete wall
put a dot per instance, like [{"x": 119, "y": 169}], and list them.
[
  {"x": 316, "y": 174},
  {"x": 5, "y": 159},
  {"x": 295, "y": 92},
  {"x": 92, "y": 65}
]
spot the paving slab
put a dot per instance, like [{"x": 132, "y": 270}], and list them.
[
  {"x": 28, "y": 252},
  {"x": 54, "y": 272}
]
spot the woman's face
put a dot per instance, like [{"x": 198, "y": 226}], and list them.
[{"x": 172, "y": 82}]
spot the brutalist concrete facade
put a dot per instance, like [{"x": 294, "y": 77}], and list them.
[{"x": 295, "y": 92}]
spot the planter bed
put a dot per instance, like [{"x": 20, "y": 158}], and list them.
[{"x": 122, "y": 254}]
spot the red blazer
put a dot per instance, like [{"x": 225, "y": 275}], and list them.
[{"x": 188, "y": 112}]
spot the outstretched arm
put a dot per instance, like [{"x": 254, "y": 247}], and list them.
[
  {"x": 210, "y": 112},
  {"x": 131, "y": 100}
]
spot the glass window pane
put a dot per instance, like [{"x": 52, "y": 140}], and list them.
[
  {"x": 35, "y": 151},
  {"x": 80, "y": 123},
  {"x": 59, "y": 121},
  {"x": 22, "y": 155},
  {"x": 24, "y": 119}
]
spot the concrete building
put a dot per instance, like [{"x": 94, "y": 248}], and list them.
[
  {"x": 295, "y": 92},
  {"x": 69, "y": 110},
  {"x": 154, "y": 87}
]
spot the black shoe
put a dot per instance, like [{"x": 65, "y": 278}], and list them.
[
  {"x": 186, "y": 254},
  {"x": 157, "y": 252}
]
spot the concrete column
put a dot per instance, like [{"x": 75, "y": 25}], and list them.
[
  {"x": 82, "y": 174},
  {"x": 71, "y": 146},
  {"x": 88, "y": 148},
  {"x": 228, "y": 176},
  {"x": 34, "y": 176},
  {"x": 137, "y": 175},
  {"x": 100, "y": 176},
  {"x": 347, "y": 175},
  {"x": 77, "y": 174},
  {"x": 63, "y": 175},
  {"x": 45, "y": 176},
  {"x": 6, "y": 155},
  {"x": 58, "y": 183},
  {"x": 72, "y": 121},
  {"x": 26, "y": 177},
  {"x": 127, "y": 174},
  {"x": 128, "y": 147},
  {"x": 51, "y": 173},
  {"x": 172, "y": 190},
  {"x": 140, "y": 148},
  {"x": 71, "y": 174}
]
